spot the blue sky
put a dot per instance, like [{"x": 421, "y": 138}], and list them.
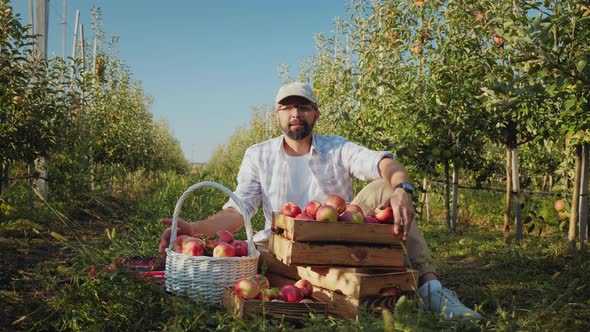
[{"x": 205, "y": 63}]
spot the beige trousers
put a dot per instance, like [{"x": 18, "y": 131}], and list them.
[{"x": 418, "y": 255}]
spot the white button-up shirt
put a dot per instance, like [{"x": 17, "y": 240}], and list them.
[{"x": 263, "y": 175}]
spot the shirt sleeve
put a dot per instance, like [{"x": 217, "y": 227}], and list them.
[
  {"x": 363, "y": 163},
  {"x": 248, "y": 188}
]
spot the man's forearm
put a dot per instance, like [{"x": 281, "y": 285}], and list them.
[
  {"x": 393, "y": 171},
  {"x": 228, "y": 219}
]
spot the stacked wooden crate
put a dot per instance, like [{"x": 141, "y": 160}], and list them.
[{"x": 350, "y": 265}]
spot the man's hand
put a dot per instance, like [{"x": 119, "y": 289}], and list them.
[
  {"x": 403, "y": 211},
  {"x": 183, "y": 228}
]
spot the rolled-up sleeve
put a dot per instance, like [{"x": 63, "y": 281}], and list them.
[
  {"x": 248, "y": 189},
  {"x": 362, "y": 162}
]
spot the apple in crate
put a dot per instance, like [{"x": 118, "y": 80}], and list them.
[
  {"x": 241, "y": 248},
  {"x": 351, "y": 216},
  {"x": 355, "y": 207},
  {"x": 225, "y": 236},
  {"x": 224, "y": 250},
  {"x": 290, "y": 293},
  {"x": 262, "y": 281},
  {"x": 311, "y": 208},
  {"x": 193, "y": 247},
  {"x": 368, "y": 219},
  {"x": 247, "y": 288},
  {"x": 326, "y": 213},
  {"x": 290, "y": 209},
  {"x": 305, "y": 286},
  {"x": 269, "y": 294},
  {"x": 304, "y": 216},
  {"x": 384, "y": 215},
  {"x": 337, "y": 202}
]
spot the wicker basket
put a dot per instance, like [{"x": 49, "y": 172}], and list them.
[{"x": 204, "y": 278}]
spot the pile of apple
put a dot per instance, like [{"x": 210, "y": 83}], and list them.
[
  {"x": 335, "y": 209},
  {"x": 222, "y": 244},
  {"x": 257, "y": 287}
]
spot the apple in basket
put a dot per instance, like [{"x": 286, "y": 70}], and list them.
[
  {"x": 224, "y": 250},
  {"x": 290, "y": 209},
  {"x": 177, "y": 245},
  {"x": 290, "y": 293},
  {"x": 241, "y": 248},
  {"x": 247, "y": 288},
  {"x": 193, "y": 247},
  {"x": 305, "y": 286},
  {"x": 225, "y": 236}
]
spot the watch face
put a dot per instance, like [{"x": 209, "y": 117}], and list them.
[{"x": 407, "y": 186}]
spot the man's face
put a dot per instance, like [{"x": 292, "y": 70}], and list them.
[{"x": 296, "y": 117}]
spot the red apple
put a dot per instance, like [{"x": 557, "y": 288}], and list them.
[
  {"x": 312, "y": 207},
  {"x": 269, "y": 294},
  {"x": 355, "y": 207},
  {"x": 370, "y": 220},
  {"x": 562, "y": 215},
  {"x": 390, "y": 291},
  {"x": 498, "y": 40},
  {"x": 304, "y": 216},
  {"x": 337, "y": 202},
  {"x": 241, "y": 248},
  {"x": 193, "y": 247},
  {"x": 559, "y": 205},
  {"x": 262, "y": 281},
  {"x": 326, "y": 213},
  {"x": 384, "y": 215},
  {"x": 305, "y": 286},
  {"x": 290, "y": 209},
  {"x": 177, "y": 245},
  {"x": 290, "y": 293},
  {"x": 351, "y": 216},
  {"x": 224, "y": 250},
  {"x": 225, "y": 236},
  {"x": 247, "y": 288}
]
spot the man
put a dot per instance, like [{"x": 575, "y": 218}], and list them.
[{"x": 299, "y": 166}]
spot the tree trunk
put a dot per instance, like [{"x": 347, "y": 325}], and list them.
[
  {"x": 447, "y": 197},
  {"x": 425, "y": 200},
  {"x": 585, "y": 173},
  {"x": 516, "y": 194},
  {"x": 506, "y": 230},
  {"x": 30, "y": 172},
  {"x": 571, "y": 237},
  {"x": 455, "y": 193},
  {"x": 41, "y": 167}
]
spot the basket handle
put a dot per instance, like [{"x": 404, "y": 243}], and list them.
[{"x": 236, "y": 199}]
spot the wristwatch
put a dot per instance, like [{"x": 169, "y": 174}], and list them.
[{"x": 406, "y": 186}]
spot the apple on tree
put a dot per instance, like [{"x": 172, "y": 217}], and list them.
[{"x": 290, "y": 209}]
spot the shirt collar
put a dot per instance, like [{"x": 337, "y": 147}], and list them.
[{"x": 315, "y": 144}]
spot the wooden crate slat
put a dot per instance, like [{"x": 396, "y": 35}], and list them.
[
  {"x": 312, "y": 231},
  {"x": 316, "y": 254}
]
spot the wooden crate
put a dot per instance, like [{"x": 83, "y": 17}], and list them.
[
  {"x": 332, "y": 254},
  {"x": 354, "y": 282},
  {"x": 253, "y": 309},
  {"x": 333, "y": 232},
  {"x": 346, "y": 307}
]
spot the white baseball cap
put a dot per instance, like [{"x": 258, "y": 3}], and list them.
[{"x": 296, "y": 89}]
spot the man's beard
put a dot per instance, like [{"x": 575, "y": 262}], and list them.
[{"x": 299, "y": 134}]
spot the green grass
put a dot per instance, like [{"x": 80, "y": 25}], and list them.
[{"x": 534, "y": 286}]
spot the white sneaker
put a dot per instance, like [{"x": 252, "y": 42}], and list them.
[{"x": 441, "y": 300}]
